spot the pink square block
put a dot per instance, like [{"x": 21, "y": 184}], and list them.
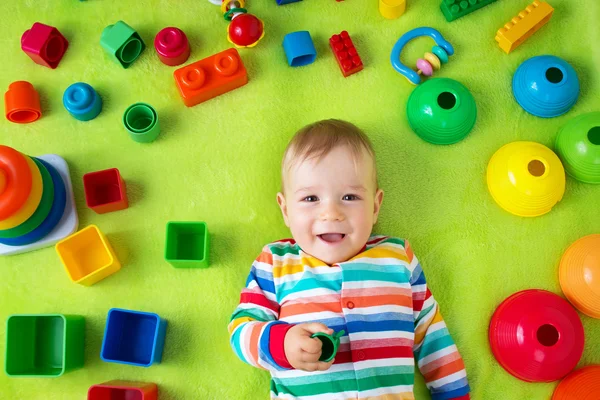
[
  {"x": 123, "y": 390},
  {"x": 44, "y": 44}
]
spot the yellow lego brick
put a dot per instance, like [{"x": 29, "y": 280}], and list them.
[{"x": 521, "y": 27}]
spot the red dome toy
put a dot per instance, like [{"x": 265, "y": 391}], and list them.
[
  {"x": 245, "y": 30},
  {"x": 536, "y": 336}
]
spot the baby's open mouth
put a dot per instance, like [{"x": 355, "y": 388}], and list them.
[{"x": 332, "y": 237}]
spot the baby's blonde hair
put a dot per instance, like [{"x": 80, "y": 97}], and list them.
[{"x": 318, "y": 139}]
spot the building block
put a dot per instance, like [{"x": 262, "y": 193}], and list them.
[
  {"x": 87, "y": 256},
  {"x": 82, "y": 101},
  {"x": 122, "y": 43},
  {"x": 521, "y": 27},
  {"x": 283, "y": 2},
  {"x": 44, "y": 44},
  {"x": 141, "y": 122},
  {"x": 123, "y": 390},
  {"x": 454, "y": 9},
  {"x": 172, "y": 46},
  {"x": 44, "y": 345},
  {"x": 392, "y": 9},
  {"x": 22, "y": 103},
  {"x": 187, "y": 244},
  {"x": 345, "y": 54},
  {"x": 210, "y": 77},
  {"x": 105, "y": 191},
  {"x": 299, "y": 49},
  {"x": 133, "y": 337}
]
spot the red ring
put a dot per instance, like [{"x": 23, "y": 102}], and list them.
[{"x": 18, "y": 181}]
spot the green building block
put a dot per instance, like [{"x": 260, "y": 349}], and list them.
[
  {"x": 454, "y": 9},
  {"x": 187, "y": 244},
  {"x": 122, "y": 43},
  {"x": 44, "y": 345}
]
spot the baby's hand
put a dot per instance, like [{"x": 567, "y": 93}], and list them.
[{"x": 302, "y": 351}]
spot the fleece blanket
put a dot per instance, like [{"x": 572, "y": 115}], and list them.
[{"x": 219, "y": 162}]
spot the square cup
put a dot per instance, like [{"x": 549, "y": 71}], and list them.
[{"x": 187, "y": 244}]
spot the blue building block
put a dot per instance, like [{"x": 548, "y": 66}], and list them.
[
  {"x": 283, "y": 2},
  {"x": 133, "y": 337},
  {"x": 299, "y": 49},
  {"x": 82, "y": 101}
]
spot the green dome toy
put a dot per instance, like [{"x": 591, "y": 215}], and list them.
[
  {"x": 441, "y": 111},
  {"x": 578, "y": 146}
]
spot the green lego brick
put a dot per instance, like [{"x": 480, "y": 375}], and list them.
[
  {"x": 187, "y": 244},
  {"x": 122, "y": 43},
  {"x": 454, "y": 9}
]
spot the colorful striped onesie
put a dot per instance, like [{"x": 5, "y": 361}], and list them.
[{"x": 379, "y": 298}]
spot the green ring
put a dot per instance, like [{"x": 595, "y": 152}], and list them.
[
  {"x": 331, "y": 341},
  {"x": 440, "y": 53},
  {"x": 40, "y": 213},
  {"x": 228, "y": 14}
]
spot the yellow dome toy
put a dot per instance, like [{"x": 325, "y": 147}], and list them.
[{"x": 526, "y": 178}]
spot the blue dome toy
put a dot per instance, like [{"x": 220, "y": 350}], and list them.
[{"x": 546, "y": 86}]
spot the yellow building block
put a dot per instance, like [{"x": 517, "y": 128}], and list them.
[
  {"x": 392, "y": 9},
  {"x": 521, "y": 27}
]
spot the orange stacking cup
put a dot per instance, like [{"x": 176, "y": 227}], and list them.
[
  {"x": 22, "y": 103},
  {"x": 579, "y": 275},
  {"x": 583, "y": 384}
]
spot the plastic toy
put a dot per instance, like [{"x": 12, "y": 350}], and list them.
[
  {"x": 28, "y": 207},
  {"x": 141, "y": 122},
  {"x": 579, "y": 275},
  {"x": 244, "y": 30},
  {"x": 44, "y": 345},
  {"x": 22, "y": 103},
  {"x": 123, "y": 390},
  {"x": 187, "y": 244},
  {"x": 122, "y": 43},
  {"x": 536, "y": 336},
  {"x": 87, "y": 256},
  {"x": 133, "y": 337},
  {"x": 299, "y": 49},
  {"x": 16, "y": 181},
  {"x": 172, "y": 46},
  {"x": 210, "y": 77},
  {"x": 578, "y": 146},
  {"x": 345, "y": 54},
  {"x": 441, "y": 111},
  {"x": 546, "y": 86},
  {"x": 61, "y": 220},
  {"x": 282, "y": 2},
  {"x": 582, "y": 384},
  {"x": 392, "y": 9},
  {"x": 105, "y": 191},
  {"x": 521, "y": 27},
  {"x": 330, "y": 344},
  {"x": 82, "y": 101},
  {"x": 526, "y": 178},
  {"x": 454, "y": 9},
  {"x": 44, "y": 44},
  {"x": 438, "y": 56}
]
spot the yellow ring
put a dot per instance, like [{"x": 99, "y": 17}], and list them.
[
  {"x": 433, "y": 60},
  {"x": 32, "y": 203}
]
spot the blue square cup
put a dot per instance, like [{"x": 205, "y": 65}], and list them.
[
  {"x": 133, "y": 338},
  {"x": 299, "y": 49}
]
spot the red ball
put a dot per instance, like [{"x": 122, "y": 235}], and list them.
[{"x": 245, "y": 30}]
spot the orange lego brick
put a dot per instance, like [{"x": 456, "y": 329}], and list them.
[
  {"x": 521, "y": 27},
  {"x": 210, "y": 77}
]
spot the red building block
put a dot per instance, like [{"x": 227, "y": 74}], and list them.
[
  {"x": 105, "y": 191},
  {"x": 124, "y": 390},
  {"x": 210, "y": 77},
  {"x": 345, "y": 53},
  {"x": 44, "y": 44}
]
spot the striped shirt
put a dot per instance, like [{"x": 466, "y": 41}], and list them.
[{"x": 379, "y": 298}]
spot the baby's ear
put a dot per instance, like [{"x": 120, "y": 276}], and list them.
[
  {"x": 377, "y": 205},
  {"x": 283, "y": 207}
]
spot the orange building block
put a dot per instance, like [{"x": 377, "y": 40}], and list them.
[
  {"x": 210, "y": 77},
  {"x": 521, "y": 27}
]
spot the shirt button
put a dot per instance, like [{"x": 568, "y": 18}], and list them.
[
  {"x": 350, "y": 305},
  {"x": 361, "y": 355}
]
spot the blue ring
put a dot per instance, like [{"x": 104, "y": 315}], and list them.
[{"x": 56, "y": 212}]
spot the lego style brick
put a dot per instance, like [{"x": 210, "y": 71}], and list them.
[
  {"x": 345, "y": 54},
  {"x": 44, "y": 44},
  {"x": 187, "y": 244},
  {"x": 133, "y": 337},
  {"x": 44, "y": 345},
  {"x": 123, "y": 390},
  {"x": 87, "y": 256},
  {"x": 105, "y": 191},
  {"x": 210, "y": 77},
  {"x": 82, "y": 101},
  {"x": 454, "y": 9},
  {"x": 122, "y": 43},
  {"x": 22, "y": 103},
  {"x": 299, "y": 49},
  {"x": 521, "y": 27}
]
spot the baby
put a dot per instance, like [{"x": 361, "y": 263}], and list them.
[{"x": 336, "y": 275}]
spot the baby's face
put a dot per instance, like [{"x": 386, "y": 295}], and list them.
[{"x": 331, "y": 205}]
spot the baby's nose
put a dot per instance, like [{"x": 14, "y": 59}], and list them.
[{"x": 332, "y": 213}]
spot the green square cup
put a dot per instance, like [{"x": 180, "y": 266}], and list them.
[
  {"x": 187, "y": 244},
  {"x": 44, "y": 345},
  {"x": 122, "y": 43}
]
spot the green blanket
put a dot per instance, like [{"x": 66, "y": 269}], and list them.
[{"x": 219, "y": 162}]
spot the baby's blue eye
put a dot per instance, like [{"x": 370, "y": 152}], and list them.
[
  {"x": 350, "y": 197},
  {"x": 310, "y": 199}
]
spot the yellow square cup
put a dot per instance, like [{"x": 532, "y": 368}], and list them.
[{"x": 87, "y": 256}]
